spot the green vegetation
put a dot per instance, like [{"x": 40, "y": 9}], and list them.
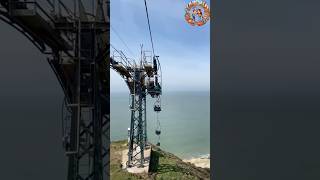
[{"x": 169, "y": 167}]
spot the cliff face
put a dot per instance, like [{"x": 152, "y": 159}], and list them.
[{"x": 164, "y": 165}]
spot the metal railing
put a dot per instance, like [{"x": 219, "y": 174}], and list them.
[{"x": 121, "y": 58}]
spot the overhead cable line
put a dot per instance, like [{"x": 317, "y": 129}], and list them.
[
  {"x": 145, "y": 4},
  {"x": 125, "y": 44}
]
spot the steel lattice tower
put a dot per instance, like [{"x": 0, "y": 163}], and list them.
[
  {"x": 76, "y": 41},
  {"x": 138, "y": 126},
  {"x": 142, "y": 79}
]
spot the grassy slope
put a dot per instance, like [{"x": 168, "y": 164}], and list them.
[{"x": 170, "y": 166}]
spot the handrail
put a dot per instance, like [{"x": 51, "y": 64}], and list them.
[
  {"x": 51, "y": 4},
  {"x": 65, "y": 8},
  {"x": 43, "y": 11},
  {"x": 123, "y": 58}
]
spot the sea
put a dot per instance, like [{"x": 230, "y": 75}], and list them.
[{"x": 184, "y": 120}]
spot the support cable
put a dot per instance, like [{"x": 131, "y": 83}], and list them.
[
  {"x": 124, "y": 43},
  {"x": 145, "y": 4}
]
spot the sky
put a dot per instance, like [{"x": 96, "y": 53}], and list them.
[{"x": 184, "y": 50}]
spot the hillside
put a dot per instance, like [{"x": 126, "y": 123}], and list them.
[{"x": 170, "y": 166}]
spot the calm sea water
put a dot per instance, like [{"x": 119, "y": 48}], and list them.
[{"x": 185, "y": 121}]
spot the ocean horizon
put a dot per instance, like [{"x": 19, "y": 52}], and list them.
[{"x": 184, "y": 119}]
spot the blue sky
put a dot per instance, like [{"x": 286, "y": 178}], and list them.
[{"x": 184, "y": 50}]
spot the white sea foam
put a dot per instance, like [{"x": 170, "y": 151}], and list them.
[{"x": 201, "y": 161}]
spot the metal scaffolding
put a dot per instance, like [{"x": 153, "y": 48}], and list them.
[{"x": 76, "y": 41}]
